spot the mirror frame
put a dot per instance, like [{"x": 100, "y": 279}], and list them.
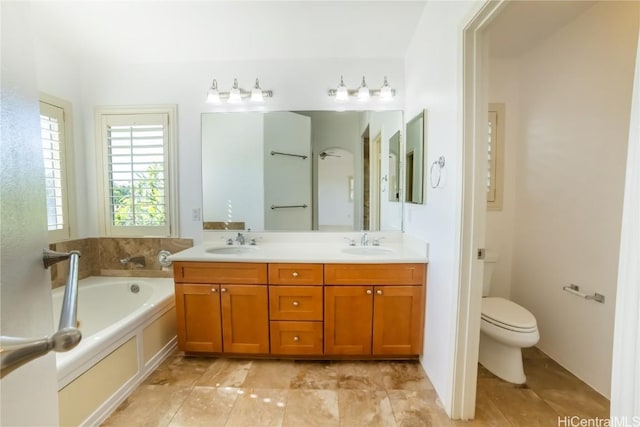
[{"x": 422, "y": 162}]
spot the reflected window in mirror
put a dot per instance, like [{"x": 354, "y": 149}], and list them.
[
  {"x": 56, "y": 134},
  {"x": 299, "y": 170},
  {"x": 414, "y": 159}
]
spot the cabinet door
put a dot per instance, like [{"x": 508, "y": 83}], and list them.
[
  {"x": 198, "y": 318},
  {"x": 397, "y": 320},
  {"x": 245, "y": 318},
  {"x": 347, "y": 320}
]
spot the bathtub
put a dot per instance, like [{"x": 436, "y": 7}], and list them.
[{"x": 128, "y": 329}]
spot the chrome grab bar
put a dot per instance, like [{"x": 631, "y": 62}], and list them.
[{"x": 15, "y": 351}]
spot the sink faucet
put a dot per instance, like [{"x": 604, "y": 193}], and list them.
[
  {"x": 240, "y": 239},
  {"x": 364, "y": 240},
  {"x": 137, "y": 261}
]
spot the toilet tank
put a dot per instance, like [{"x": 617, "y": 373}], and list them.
[{"x": 490, "y": 260}]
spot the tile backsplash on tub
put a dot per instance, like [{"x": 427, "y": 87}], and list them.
[{"x": 101, "y": 257}]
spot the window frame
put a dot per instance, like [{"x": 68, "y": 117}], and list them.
[
  {"x": 107, "y": 229},
  {"x": 69, "y": 230},
  {"x": 499, "y": 154}
]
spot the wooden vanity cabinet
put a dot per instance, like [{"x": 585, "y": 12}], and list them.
[
  {"x": 199, "y": 319},
  {"x": 296, "y": 309},
  {"x": 228, "y": 313},
  {"x": 384, "y": 319},
  {"x": 307, "y": 310}
]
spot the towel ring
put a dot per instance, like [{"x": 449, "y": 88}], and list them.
[{"x": 440, "y": 163}]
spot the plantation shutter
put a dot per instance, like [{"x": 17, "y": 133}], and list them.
[
  {"x": 53, "y": 152},
  {"x": 137, "y": 171}
]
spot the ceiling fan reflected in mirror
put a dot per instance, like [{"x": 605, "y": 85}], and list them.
[{"x": 326, "y": 154}]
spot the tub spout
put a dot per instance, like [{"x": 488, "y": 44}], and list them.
[{"x": 137, "y": 261}]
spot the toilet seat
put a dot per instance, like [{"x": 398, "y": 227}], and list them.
[{"x": 508, "y": 315}]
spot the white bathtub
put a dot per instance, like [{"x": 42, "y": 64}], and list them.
[{"x": 125, "y": 336}]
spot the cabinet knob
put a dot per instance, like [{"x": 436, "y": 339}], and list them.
[
  {"x": 223, "y": 289},
  {"x": 296, "y": 338},
  {"x": 379, "y": 292},
  {"x": 295, "y": 303},
  {"x": 214, "y": 290},
  {"x": 295, "y": 274},
  {"x": 369, "y": 291}
]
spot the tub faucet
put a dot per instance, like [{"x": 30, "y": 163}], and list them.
[
  {"x": 137, "y": 261},
  {"x": 364, "y": 240}
]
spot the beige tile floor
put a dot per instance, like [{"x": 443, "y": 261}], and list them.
[{"x": 192, "y": 391}]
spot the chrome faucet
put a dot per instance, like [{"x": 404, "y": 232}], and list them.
[
  {"x": 137, "y": 261},
  {"x": 364, "y": 240},
  {"x": 240, "y": 239}
]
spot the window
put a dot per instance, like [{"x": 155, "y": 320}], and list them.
[
  {"x": 55, "y": 131},
  {"x": 137, "y": 164},
  {"x": 495, "y": 156}
]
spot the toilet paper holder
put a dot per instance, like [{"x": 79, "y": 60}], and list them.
[{"x": 575, "y": 290}]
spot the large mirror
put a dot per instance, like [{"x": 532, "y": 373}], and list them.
[
  {"x": 302, "y": 170},
  {"x": 414, "y": 159}
]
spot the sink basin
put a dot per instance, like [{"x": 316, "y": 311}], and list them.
[
  {"x": 367, "y": 250},
  {"x": 231, "y": 250}
]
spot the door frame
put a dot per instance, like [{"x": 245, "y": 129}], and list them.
[{"x": 475, "y": 101}]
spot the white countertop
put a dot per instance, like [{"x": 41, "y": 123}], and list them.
[{"x": 308, "y": 247}]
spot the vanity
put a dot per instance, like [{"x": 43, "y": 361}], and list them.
[{"x": 320, "y": 299}]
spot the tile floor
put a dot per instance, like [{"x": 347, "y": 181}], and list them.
[{"x": 192, "y": 391}]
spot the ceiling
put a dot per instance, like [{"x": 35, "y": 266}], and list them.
[{"x": 145, "y": 31}]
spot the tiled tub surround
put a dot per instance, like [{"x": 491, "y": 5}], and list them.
[
  {"x": 101, "y": 257},
  {"x": 126, "y": 335}
]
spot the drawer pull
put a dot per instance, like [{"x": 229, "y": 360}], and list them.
[
  {"x": 369, "y": 292},
  {"x": 223, "y": 289},
  {"x": 296, "y": 338},
  {"x": 214, "y": 290},
  {"x": 379, "y": 292},
  {"x": 295, "y": 274},
  {"x": 295, "y": 303}
]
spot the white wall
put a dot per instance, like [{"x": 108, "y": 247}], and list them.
[
  {"x": 59, "y": 75},
  {"x": 233, "y": 189},
  {"x": 575, "y": 96},
  {"x": 297, "y": 85},
  {"x": 503, "y": 88},
  {"x": 433, "y": 73}
]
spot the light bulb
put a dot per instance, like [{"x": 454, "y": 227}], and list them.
[
  {"x": 234, "y": 94},
  {"x": 213, "y": 96},
  {"x": 342, "y": 93},
  {"x": 363, "y": 91},
  {"x": 256, "y": 93},
  {"x": 386, "y": 93}
]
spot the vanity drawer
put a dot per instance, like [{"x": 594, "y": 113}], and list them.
[
  {"x": 298, "y": 338},
  {"x": 220, "y": 272},
  {"x": 374, "y": 274},
  {"x": 295, "y": 303},
  {"x": 295, "y": 274}
]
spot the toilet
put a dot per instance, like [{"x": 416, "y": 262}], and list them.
[{"x": 505, "y": 328}]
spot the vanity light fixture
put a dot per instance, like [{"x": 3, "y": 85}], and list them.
[
  {"x": 363, "y": 93},
  {"x": 237, "y": 95}
]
